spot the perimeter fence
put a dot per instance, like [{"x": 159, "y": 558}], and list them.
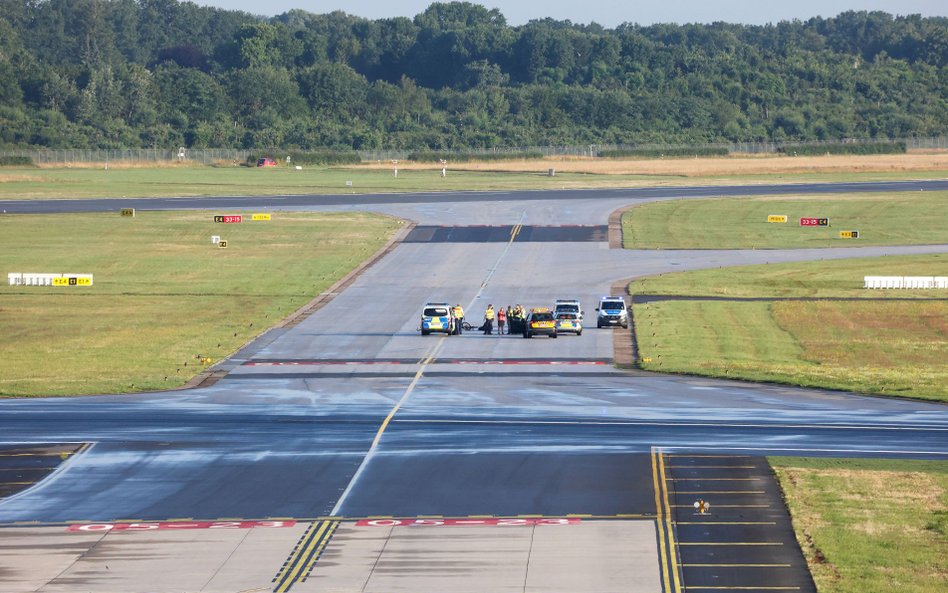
[{"x": 237, "y": 156}]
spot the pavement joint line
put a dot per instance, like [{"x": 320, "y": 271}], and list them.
[
  {"x": 701, "y": 425},
  {"x": 730, "y": 543},
  {"x": 715, "y": 479},
  {"x": 710, "y": 466},
  {"x": 744, "y": 588},
  {"x": 726, "y": 506},
  {"x": 725, "y": 522},
  {"x": 741, "y": 565},
  {"x": 720, "y": 492},
  {"x": 842, "y": 450}
]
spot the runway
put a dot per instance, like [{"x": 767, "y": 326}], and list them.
[{"x": 352, "y": 415}]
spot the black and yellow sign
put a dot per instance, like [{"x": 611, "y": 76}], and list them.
[
  {"x": 260, "y": 217},
  {"x": 848, "y": 234},
  {"x": 776, "y": 218},
  {"x": 128, "y": 212},
  {"x": 73, "y": 281},
  {"x": 222, "y": 244}
]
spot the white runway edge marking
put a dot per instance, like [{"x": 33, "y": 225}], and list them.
[
  {"x": 411, "y": 386},
  {"x": 677, "y": 424}
]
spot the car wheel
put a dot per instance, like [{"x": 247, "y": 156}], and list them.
[
  {"x": 425, "y": 332},
  {"x": 553, "y": 335},
  {"x": 579, "y": 333}
]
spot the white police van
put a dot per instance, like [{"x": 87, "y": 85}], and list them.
[
  {"x": 437, "y": 317},
  {"x": 612, "y": 311}
]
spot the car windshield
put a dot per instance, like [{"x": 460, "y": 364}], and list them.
[
  {"x": 436, "y": 312},
  {"x": 573, "y": 308},
  {"x": 620, "y": 305}
]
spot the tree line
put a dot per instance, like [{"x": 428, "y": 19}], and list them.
[{"x": 160, "y": 73}]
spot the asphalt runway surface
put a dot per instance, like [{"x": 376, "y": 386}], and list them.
[{"x": 351, "y": 416}]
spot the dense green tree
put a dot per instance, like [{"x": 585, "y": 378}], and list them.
[{"x": 110, "y": 73}]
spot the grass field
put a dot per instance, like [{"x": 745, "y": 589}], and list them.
[
  {"x": 870, "y": 524},
  {"x": 84, "y": 180},
  {"x": 163, "y": 294},
  {"x": 871, "y": 346},
  {"x": 741, "y": 223},
  {"x": 824, "y": 279}
]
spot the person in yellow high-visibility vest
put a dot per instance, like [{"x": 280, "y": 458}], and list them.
[
  {"x": 489, "y": 320},
  {"x": 458, "y": 319}
]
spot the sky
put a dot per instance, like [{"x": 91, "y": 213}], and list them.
[{"x": 608, "y": 13}]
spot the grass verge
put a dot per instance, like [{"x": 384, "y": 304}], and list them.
[
  {"x": 163, "y": 294},
  {"x": 869, "y": 524},
  {"x": 872, "y": 346},
  {"x": 741, "y": 223},
  {"x": 129, "y": 179}
]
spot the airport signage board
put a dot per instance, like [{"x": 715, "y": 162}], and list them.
[
  {"x": 776, "y": 218},
  {"x": 848, "y": 234},
  {"x": 260, "y": 217},
  {"x": 814, "y": 222},
  {"x": 229, "y": 219}
]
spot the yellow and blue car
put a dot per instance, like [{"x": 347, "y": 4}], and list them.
[
  {"x": 570, "y": 323},
  {"x": 437, "y": 317}
]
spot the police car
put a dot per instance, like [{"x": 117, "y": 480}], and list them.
[
  {"x": 612, "y": 311},
  {"x": 569, "y": 323},
  {"x": 568, "y": 306},
  {"x": 539, "y": 321},
  {"x": 437, "y": 317}
]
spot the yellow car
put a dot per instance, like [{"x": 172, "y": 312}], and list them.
[
  {"x": 569, "y": 322},
  {"x": 539, "y": 321}
]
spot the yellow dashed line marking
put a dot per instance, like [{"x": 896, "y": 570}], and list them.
[{"x": 304, "y": 556}]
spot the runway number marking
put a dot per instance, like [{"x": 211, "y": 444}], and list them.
[
  {"x": 99, "y": 527},
  {"x": 464, "y": 522}
]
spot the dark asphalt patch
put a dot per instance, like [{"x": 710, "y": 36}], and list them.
[
  {"x": 503, "y": 484},
  {"x": 22, "y": 466},
  {"x": 745, "y": 541},
  {"x": 504, "y": 234}
]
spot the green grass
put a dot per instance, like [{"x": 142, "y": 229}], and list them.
[
  {"x": 831, "y": 278},
  {"x": 163, "y": 294},
  {"x": 741, "y": 223},
  {"x": 870, "y": 524},
  {"x": 881, "y": 347},
  {"x": 241, "y": 181},
  {"x": 186, "y": 180}
]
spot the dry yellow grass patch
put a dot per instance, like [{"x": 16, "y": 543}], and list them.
[
  {"x": 13, "y": 178},
  {"x": 124, "y": 164},
  {"x": 700, "y": 167}
]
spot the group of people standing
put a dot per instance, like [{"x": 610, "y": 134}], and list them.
[{"x": 509, "y": 320}]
